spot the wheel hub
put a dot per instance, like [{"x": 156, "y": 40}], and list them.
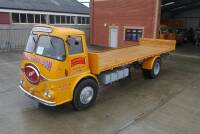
[
  {"x": 157, "y": 68},
  {"x": 86, "y": 95}
]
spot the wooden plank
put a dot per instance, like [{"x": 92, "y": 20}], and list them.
[{"x": 106, "y": 60}]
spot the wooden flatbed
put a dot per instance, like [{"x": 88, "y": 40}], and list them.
[{"x": 108, "y": 59}]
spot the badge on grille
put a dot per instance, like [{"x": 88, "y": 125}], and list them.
[{"x": 32, "y": 74}]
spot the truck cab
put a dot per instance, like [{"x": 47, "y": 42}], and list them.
[{"x": 50, "y": 63}]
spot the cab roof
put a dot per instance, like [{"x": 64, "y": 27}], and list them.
[{"x": 62, "y": 30}]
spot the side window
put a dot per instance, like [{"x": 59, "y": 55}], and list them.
[
  {"x": 133, "y": 34},
  {"x": 75, "y": 45}
]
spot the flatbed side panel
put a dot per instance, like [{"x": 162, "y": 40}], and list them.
[
  {"x": 171, "y": 44},
  {"x": 147, "y": 48},
  {"x": 94, "y": 62}
]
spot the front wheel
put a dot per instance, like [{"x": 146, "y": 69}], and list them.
[
  {"x": 85, "y": 94},
  {"x": 155, "y": 71}
]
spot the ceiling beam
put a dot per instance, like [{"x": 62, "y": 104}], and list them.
[{"x": 180, "y": 5}]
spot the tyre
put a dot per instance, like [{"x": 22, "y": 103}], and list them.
[
  {"x": 155, "y": 71},
  {"x": 85, "y": 94}
]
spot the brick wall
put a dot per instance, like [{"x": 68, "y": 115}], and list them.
[
  {"x": 123, "y": 13},
  {"x": 4, "y": 18}
]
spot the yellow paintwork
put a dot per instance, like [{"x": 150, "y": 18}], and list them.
[
  {"x": 148, "y": 63},
  {"x": 56, "y": 81},
  {"x": 146, "y": 48},
  {"x": 62, "y": 79}
]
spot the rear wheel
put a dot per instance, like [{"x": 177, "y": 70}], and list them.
[
  {"x": 85, "y": 94},
  {"x": 155, "y": 71}
]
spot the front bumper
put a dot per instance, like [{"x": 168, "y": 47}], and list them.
[{"x": 45, "y": 102}]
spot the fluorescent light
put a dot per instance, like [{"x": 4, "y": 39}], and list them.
[
  {"x": 178, "y": 8},
  {"x": 167, "y": 4}
]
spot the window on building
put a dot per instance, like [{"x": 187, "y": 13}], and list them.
[
  {"x": 73, "y": 19},
  {"x": 30, "y": 18},
  {"x": 37, "y": 18},
  {"x": 43, "y": 19},
  {"x": 57, "y": 19},
  {"x": 83, "y": 20},
  {"x": 23, "y": 18},
  {"x": 79, "y": 20},
  {"x": 87, "y": 20},
  {"x": 68, "y": 18},
  {"x": 15, "y": 18},
  {"x": 133, "y": 34},
  {"x": 52, "y": 19},
  {"x": 63, "y": 20}
]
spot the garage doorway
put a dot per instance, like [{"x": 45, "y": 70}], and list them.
[
  {"x": 180, "y": 21},
  {"x": 113, "y": 42}
]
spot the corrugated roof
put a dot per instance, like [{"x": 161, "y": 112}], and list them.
[{"x": 62, "y": 6}]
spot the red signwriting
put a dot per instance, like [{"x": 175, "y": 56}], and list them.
[
  {"x": 77, "y": 61},
  {"x": 47, "y": 64}
]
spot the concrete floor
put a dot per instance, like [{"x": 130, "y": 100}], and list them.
[
  {"x": 188, "y": 50},
  {"x": 167, "y": 105}
]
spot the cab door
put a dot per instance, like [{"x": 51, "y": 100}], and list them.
[{"x": 77, "y": 55}]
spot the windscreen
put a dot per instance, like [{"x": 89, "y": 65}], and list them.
[
  {"x": 51, "y": 47},
  {"x": 31, "y": 43}
]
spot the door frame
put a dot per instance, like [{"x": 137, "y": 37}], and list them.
[
  {"x": 110, "y": 28},
  {"x": 83, "y": 66}
]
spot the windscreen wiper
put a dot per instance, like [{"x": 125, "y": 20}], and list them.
[
  {"x": 34, "y": 40},
  {"x": 51, "y": 43}
]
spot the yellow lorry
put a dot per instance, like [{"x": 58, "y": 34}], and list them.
[{"x": 57, "y": 67}]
